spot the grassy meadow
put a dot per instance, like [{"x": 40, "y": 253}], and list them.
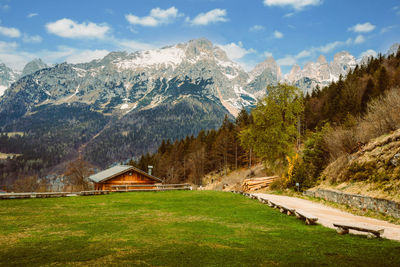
[{"x": 190, "y": 228}]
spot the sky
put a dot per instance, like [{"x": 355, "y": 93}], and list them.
[{"x": 291, "y": 31}]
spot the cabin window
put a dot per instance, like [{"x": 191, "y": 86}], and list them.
[{"x": 130, "y": 173}]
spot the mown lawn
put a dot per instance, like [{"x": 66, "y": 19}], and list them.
[{"x": 191, "y": 228}]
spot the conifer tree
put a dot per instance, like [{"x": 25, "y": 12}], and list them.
[{"x": 274, "y": 130}]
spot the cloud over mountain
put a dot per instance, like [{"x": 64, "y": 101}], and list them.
[
  {"x": 68, "y": 28},
  {"x": 362, "y": 27},
  {"x": 296, "y": 4},
  {"x": 156, "y": 17},
  {"x": 212, "y": 16}
]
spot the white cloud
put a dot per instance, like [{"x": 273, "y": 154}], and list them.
[
  {"x": 7, "y": 46},
  {"x": 15, "y": 61},
  {"x": 236, "y": 51},
  {"x": 267, "y": 54},
  {"x": 86, "y": 56},
  {"x": 10, "y": 32},
  {"x": 288, "y": 15},
  {"x": 31, "y": 38},
  {"x": 329, "y": 47},
  {"x": 364, "y": 27},
  {"x": 359, "y": 39},
  {"x": 4, "y": 7},
  {"x": 287, "y": 61},
  {"x": 31, "y": 15},
  {"x": 145, "y": 21},
  {"x": 278, "y": 35},
  {"x": 132, "y": 45},
  {"x": 256, "y": 28},
  {"x": 13, "y": 58},
  {"x": 70, "y": 29},
  {"x": 303, "y": 54},
  {"x": 388, "y": 28},
  {"x": 70, "y": 55},
  {"x": 296, "y": 4},
  {"x": 396, "y": 9},
  {"x": 56, "y": 56},
  {"x": 212, "y": 16},
  {"x": 369, "y": 53},
  {"x": 157, "y": 17}
]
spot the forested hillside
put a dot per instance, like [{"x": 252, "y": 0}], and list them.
[
  {"x": 351, "y": 94},
  {"x": 50, "y": 136},
  {"x": 189, "y": 159},
  {"x": 295, "y": 136}
]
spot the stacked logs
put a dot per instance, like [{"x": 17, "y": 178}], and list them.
[{"x": 252, "y": 184}]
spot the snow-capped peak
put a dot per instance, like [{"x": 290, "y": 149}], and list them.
[{"x": 168, "y": 56}]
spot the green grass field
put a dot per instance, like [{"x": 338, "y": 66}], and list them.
[{"x": 190, "y": 228}]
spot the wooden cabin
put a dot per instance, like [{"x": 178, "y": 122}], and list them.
[{"x": 123, "y": 177}]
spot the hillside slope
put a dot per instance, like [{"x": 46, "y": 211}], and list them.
[{"x": 374, "y": 170}]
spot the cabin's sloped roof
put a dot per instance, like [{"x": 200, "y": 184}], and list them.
[{"x": 117, "y": 170}]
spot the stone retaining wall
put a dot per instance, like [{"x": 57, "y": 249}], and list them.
[{"x": 362, "y": 202}]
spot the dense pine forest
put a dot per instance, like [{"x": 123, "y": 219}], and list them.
[{"x": 191, "y": 158}]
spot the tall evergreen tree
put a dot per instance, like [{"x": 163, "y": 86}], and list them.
[
  {"x": 274, "y": 131},
  {"x": 383, "y": 80},
  {"x": 369, "y": 92}
]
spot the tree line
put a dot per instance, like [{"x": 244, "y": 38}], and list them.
[{"x": 189, "y": 159}]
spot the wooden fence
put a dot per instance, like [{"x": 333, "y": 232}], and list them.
[
  {"x": 146, "y": 187},
  {"x": 119, "y": 188}
]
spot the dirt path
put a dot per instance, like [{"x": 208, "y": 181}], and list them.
[{"x": 327, "y": 215}]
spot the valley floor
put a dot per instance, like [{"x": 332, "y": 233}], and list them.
[{"x": 191, "y": 228}]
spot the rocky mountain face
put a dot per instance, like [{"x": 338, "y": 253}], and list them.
[
  {"x": 393, "y": 49},
  {"x": 265, "y": 73},
  {"x": 122, "y": 82},
  {"x": 7, "y": 77},
  {"x": 320, "y": 73},
  {"x": 33, "y": 66}
]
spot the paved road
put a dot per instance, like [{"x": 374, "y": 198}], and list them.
[{"x": 327, "y": 215}]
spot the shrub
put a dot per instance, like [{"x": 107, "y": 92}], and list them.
[
  {"x": 382, "y": 117},
  {"x": 298, "y": 172}
]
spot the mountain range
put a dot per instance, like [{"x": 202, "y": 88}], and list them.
[{"x": 141, "y": 98}]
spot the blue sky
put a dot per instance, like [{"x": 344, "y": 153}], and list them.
[{"x": 292, "y": 31}]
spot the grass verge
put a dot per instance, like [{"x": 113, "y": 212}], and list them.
[{"x": 191, "y": 228}]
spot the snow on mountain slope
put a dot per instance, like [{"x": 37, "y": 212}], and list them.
[
  {"x": 142, "y": 80},
  {"x": 169, "y": 56},
  {"x": 2, "y": 89},
  {"x": 7, "y": 77},
  {"x": 124, "y": 81},
  {"x": 320, "y": 73}
]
